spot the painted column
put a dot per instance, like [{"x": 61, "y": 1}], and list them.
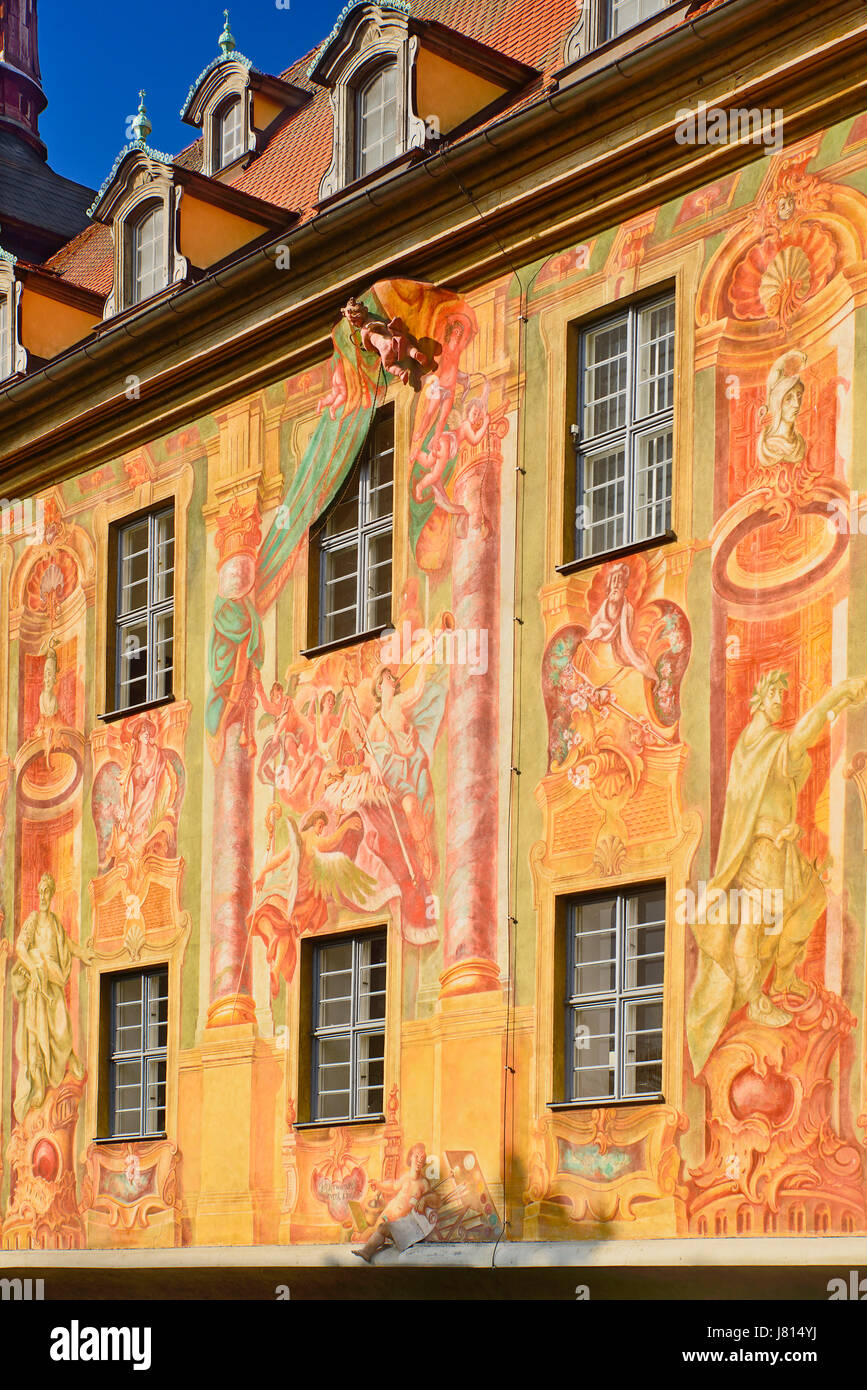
[
  {"x": 238, "y": 535},
  {"x": 470, "y": 936}
]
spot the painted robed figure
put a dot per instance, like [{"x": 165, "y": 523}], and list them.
[
  {"x": 40, "y": 975},
  {"x": 758, "y": 852}
]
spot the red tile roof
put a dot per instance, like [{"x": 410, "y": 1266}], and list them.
[{"x": 289, "y": 171}]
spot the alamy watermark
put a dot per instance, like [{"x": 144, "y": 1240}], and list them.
[
  {"x": 713, "y": 125},
  {"x": 718, "y": 907},
  {"x": 23, "y": 518},
  {"x": 454, "y": 646}
]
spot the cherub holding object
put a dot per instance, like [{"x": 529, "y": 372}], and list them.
[
  {"x": 410, "y": 1208},
  {"x": 471, "y": 430}
]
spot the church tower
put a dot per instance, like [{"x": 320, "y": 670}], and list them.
[
  {"x": 21, "y": 96},
  {"x": 39, "y": 210}
]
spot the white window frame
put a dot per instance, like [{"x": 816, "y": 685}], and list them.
[
  {"x": 360, "y": 537},
  {"x": 363, "y": 88},
  {"x": 232, "y": 106},
  {"x": 150, "y": 612},
  {"x": 355, "y": 1030},
  {"x": 133, "y": 223},
  {"x": 154, "y": 991},
  {"x": 620, "y": 997},
  {"x": 626, "y": 437}
]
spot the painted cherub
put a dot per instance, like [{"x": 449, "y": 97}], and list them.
[
  {"x": 471, "y": 430},
  {"x": 409, "y": 1196}
]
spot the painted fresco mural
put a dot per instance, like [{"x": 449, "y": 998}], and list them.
[{"x": 693, "y": 712}]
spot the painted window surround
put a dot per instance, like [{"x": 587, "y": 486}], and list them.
[
  {"x": 559, "y": 324},
  {"x": 299, "y": 1015}
]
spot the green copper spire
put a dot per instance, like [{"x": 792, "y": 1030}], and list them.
[
  {"x": 227, "y": 40},
  {"x": 141, "y": 126}
]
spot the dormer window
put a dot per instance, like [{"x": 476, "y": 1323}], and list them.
[
  {"x": 5, "y": 338},
  {"x": 398, "y": 84},
  {"x": 229, "y": 141},
  {"x": 146, "y": 233},
  {"x": 376, "y": 121},
  {"x": 236, "y": 107},
  {"x": 13, "y": 358}
]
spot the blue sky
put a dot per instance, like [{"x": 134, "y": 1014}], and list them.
[{"x": 96, "y": 56}]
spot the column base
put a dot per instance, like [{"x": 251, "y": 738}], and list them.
[
  {"x": 231, "y": 1010},
  {"x": 471, "y": 975}
]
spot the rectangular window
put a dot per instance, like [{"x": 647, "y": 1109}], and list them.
[
  {"x": 144, "y": 626},
  {"x": 625, "y": 436},
  {"x": 621, "y": 15},
  {"x": 137, "y": 1062},
  {"x": 355, "y": 543},
  {"x": 348, "y": 1031},
  {"x": 615, "y": 954}
]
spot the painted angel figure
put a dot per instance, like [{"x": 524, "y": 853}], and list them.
[{"x": 310, "y": 868}]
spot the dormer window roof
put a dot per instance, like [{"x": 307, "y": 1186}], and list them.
[
  {"x": 236, "y": 107},
  {"x": 169, "y": 224},
  {"x": 397, "y": 85}
]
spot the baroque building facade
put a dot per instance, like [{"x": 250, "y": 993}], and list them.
[{"x": 433, "y": 702}]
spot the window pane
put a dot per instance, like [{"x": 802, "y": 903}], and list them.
[
  {"x": 370, "y": 1003},
  {"x": 164, "y": 582},
  {"x": 379, "y": 580},
  {"x": 230, "y": 134},
  {"x": 158, "y": 1011},
  {"x": 148, "y": 256},
  {"x": 605, "y": 377},
  {"x": 344, "y": 516},
  {"x": 333, "y": 1078},
  {"x": 377, "y": 121},
  {"x": 340, "y": 597},
  {"x": 371, "y": 1073},
  {"x": 381, "y": 475},
  {"x": 625, "y": 14},
  {"x": 134, "y": 555},
  {"x": 593, "y": 1052},
  {"x": 594, "y": 948},
  {"x": 656, "y": 359},
  {"x": 645, "y": 940},
  {"x": 603, "y": 509},
  {"x": 164, "y": 625},
  {"x": 127, "y": 1097},
  {"x": 133, "y": 665},
  {"x": 653, "y": 484},
  {"x": 155, "y": 1115},
  {"x": 643, "y": 1049}
]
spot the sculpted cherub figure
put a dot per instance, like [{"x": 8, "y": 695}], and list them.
[{"x": 397, "y": 348}]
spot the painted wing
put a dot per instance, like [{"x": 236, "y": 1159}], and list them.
[{"x": 338, "y": 877}]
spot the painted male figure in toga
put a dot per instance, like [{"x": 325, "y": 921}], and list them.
[
  {"x": 43, "y": 1040},
  {"x": 758, "y": 852}
]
